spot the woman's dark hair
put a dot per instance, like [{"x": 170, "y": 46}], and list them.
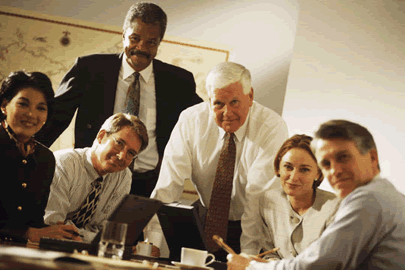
[{"x": 19, "y": 80}]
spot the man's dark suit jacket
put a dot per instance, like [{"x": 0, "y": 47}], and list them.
[{"x": 90, "y": 87}]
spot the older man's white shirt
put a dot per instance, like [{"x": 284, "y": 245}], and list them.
[{"x": 193, "y": 152}]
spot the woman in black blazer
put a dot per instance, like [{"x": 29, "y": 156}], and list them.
[{"x": 27, "y": 165}]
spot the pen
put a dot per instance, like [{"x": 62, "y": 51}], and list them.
[
  {"x": 69, "y": 222},
  {"x": 76, "y": 234},
  {"x": 268, "y": 252}
]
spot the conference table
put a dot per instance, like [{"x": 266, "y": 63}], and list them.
[{"x": 30, "y": 256}]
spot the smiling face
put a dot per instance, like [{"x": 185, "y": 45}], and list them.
[
  {"x": 298, "y": 171},
  {"x": 107, "y": 157},
  {"x": 344, "y": 166},
  {"x": 26, "y": 112},
  {"x": 231, "y": 106},
  {"x": 141, "y": 42}
]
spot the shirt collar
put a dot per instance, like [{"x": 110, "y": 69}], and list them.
[
  {"x": 128, "y": 70},
  {"x": 377, "y": 176},
  {"x": 93, "y": 175},
  {"x": 240, "y": 133}
]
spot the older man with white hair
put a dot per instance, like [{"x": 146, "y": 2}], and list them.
[{"x": 226, "y": 147}]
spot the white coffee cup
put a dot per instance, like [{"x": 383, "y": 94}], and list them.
[
  {"x": 144, "y": 248},
  {"x": 196, "y": 257}
]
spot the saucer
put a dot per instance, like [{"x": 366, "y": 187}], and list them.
[{"x": 189, "y": 266}]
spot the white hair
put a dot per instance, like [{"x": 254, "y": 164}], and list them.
[{"x": 226, "y": 73}]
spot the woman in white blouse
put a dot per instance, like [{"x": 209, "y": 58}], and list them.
[{"x": 295, "y": 213}]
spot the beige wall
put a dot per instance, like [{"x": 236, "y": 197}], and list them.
[
  {"x": 349, "y": 62},
  {"x": 260, "y": 32},
  {"x": 348, "y": 58}
]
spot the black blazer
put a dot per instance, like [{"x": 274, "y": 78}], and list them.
[
  {"x": 24, "y": 187},
  {"x": 90, "y": 87}
]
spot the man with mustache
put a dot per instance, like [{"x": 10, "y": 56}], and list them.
[
  {"x": 99, "y": 85},
  {"x": 369, "y": 228},
  {"x": 104, "y": 167}
]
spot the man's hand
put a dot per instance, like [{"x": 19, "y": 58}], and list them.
[
  {"x": 54, "y": 231},
  {"x": 237, "y": 262},
  {"x": 155, "y": 251}
]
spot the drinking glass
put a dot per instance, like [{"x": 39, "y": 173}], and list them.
[{"x": 112, "y": 242}]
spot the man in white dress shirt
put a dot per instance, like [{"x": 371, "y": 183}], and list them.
[
  {"x": 121, "y": 138},
  {"x": 369, "y": 227},
  {"x": 198, "y": 137}
]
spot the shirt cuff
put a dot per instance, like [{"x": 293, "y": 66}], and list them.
[
  {"x": 155, "y": 238},
  {"x": 251, "y": 265},
  {"x": 255, "y": 265},
  {"x": 88, "y": 235}
]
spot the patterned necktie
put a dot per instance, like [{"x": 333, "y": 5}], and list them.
[
  {"x": 133, "y": 96},
  {"x": 87, "y": 210},
  {"x": 218, "y": 211}
]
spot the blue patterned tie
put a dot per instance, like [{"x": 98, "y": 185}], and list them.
[
  {"x": 218, "y": 211},
  {"x": 87, "y": 210},
  {"x": 133, "y": 96}
]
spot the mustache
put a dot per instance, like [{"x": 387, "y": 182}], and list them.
[
  {"x": 140, "y": 53},
  {"x": 118, "y": 161}
]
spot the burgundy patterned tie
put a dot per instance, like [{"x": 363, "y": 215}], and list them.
[
  {"x": 87, "y": 210},
  {"x": 133, "y": 96},
  {"x": 218, "y": 211}
]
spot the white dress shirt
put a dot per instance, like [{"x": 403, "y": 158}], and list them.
[
  {"x": 148, "y": 158},
  {"x": 193, "y": 152},
  {"x": 74, "y": 173},
  {"x": 368, "y": 233}
]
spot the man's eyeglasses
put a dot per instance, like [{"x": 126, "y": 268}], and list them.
[{"x": 119, "y": 145}]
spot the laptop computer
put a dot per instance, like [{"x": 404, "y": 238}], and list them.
[
  {"x": 181, "y": 227},
  {"x": 134, "y": 210}
]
